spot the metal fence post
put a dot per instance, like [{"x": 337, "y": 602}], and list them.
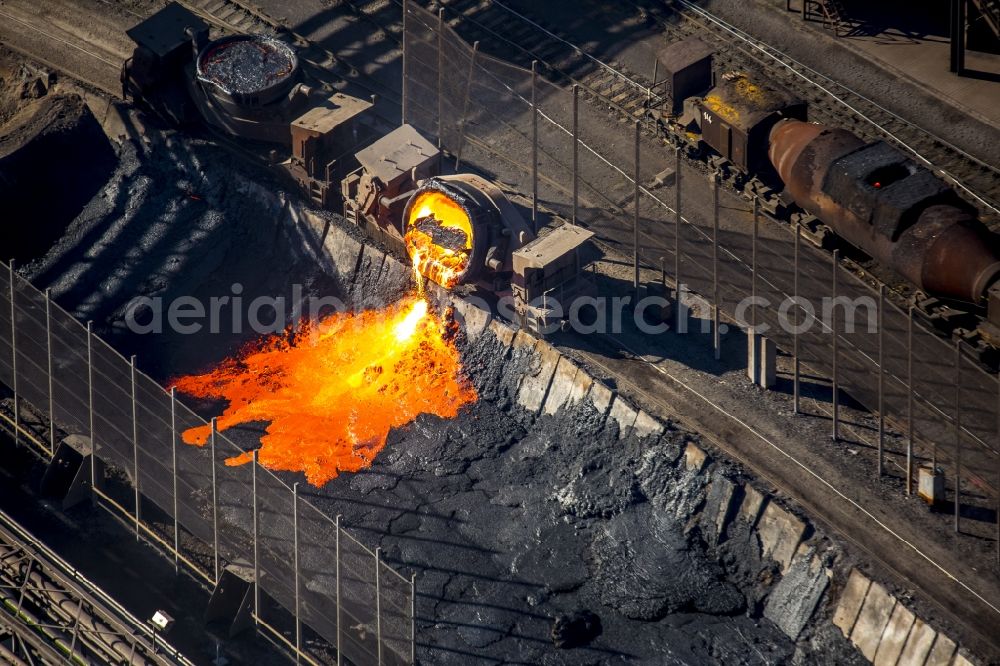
[
  {"x": 795, "y": 334},
  {"x": 215, "y": 505},
  {"x": 295, "y": 556},
  {"x": 576, "y": 151},
  {"x": 13, "y": 354},
  {"x": 256, "y": 539},
  {"x": 656, "y": 74},
  {"x": 534, "y": 146},
  {"x": 173, "y": 455},
  {"x": 48, "y": 352},
  {"x": 339, "y": 632},
  {"x": 716, "y": 339},
  {"x": 635, "y": 221},
  {"x": 833, "y": 330},
  {"x": 958, "y": 432},
  {"x": 440, "y": 77},
  {"x": 413, "y": 617},
  {"x": 90, "y": 411},
  {"x": 378, "y": 603},
  {"x": 881, "y": 376},
  {"x": 753, "y": 265},
  {"x": 403, "y": 100},
  {"x": 135, "y": 447},
  {"x": 909, "y": 402},
  {"x": 465, "y": 105},
  {"x": 677, "y": 235}
]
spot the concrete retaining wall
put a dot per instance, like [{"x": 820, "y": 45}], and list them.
[{"x": 888, "y": 633}]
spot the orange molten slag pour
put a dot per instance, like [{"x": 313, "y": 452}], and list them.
[
  {"x": 444, "y": 265},
  {"x": 332, "y": 393}
]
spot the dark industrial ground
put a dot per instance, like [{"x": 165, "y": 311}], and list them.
[
  {"x": 508, "y": 521},
  {"x": 139, "y": 577}
]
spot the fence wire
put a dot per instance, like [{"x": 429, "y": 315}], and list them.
[
  {"x": 237, "y": 512},
  {"x": 936, "y": 410}
]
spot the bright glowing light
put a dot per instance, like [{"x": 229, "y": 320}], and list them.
[
  {"x": 405, "y": 329},
  {"x": 444, "y": 265},
  {"x": 333, "y": 393}
]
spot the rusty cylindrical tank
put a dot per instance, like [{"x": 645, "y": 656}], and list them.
[{"x": 887, "y": 206}]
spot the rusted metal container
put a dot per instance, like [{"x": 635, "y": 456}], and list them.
[
  {"x": 885, "y": 204},
  {"x": 462, "y": 229},
  {"x": 737, "y": 116},
  {"x": 686, "y": 70}
]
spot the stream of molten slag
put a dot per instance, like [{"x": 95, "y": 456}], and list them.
[{"x": 332, "y": 392}]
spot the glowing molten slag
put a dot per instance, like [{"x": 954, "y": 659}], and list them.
[
  {"x": 439, "y": 238},
  {"x": 332, "y": 393}
]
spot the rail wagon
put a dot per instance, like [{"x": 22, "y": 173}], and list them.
[{"x": 736, "y": 117}]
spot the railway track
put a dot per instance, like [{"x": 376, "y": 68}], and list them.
[
  {"x": 630, "y": 95},
  {"x": 834, "y": 103},
  {"x": 51, "y": 37},
  {"x": 519, "y": 36},
  {"x": 523, "y": 39}
]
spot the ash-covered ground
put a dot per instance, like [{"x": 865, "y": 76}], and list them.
[
  {"x": 534, "y": 540},
  {"x": 512, "y": 522}
]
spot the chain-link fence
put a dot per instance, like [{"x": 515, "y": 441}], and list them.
[
  {"x": 566, "y": 149},
  {"x": 311, "y": 574}
]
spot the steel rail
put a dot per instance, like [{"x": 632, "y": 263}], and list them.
[
  {"x": 726, "y": 414},
  {"x": 590, "y": 89},
  {"x": 603, "y": 65},
  {"x": 773, "y": 54},
  {"x": 121, "y": 514},
  {"x": 61, "y": 68},
  {"x": 791, "y": 65},
  {"x": 824, "y": 326},
  {"x": 97, "y": 56},
  {"x": 707, "y": 238},
  {"x": 76, "y": 585},
  {"x": 778, "y": 57}
]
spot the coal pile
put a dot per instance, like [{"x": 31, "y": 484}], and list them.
[
  {"x": 54, "y": 158},
  {"x": 550, "y": 540}
]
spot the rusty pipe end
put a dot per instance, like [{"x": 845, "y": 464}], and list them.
[
  {"x": 957, "y": 256},
  {"x": 988, "y": 276},
  {"x": 802, "y": 153},
  {"x": 786, "y": 141}
]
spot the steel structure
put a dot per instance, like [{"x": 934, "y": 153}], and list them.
[
  {"x": 50, "y": 613},
  {"x": 902, "y": 367}
]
